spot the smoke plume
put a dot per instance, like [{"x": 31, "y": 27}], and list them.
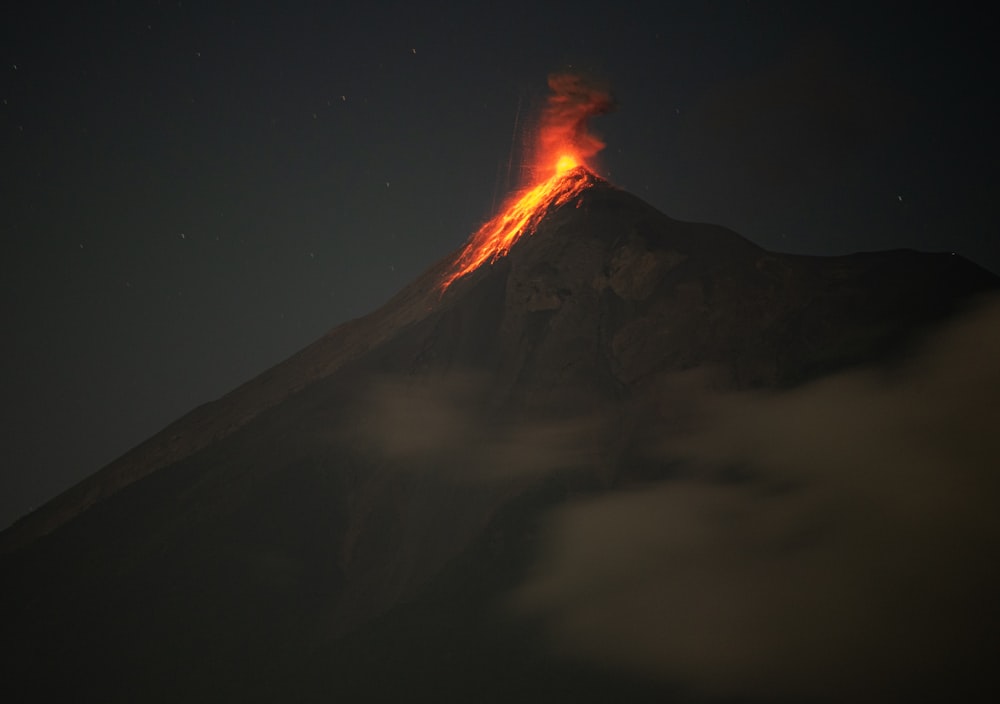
[{"x": 564, "y": 127}]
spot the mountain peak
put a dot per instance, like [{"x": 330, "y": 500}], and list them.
[
  {"x": 600, "y": 292},
  {"x": 520, "y": 216},
  {"x": 593, "y": 233},
  {"x": 325, "y": 504}
]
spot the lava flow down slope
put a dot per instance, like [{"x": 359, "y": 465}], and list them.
[{"x": 596, "y": 454}]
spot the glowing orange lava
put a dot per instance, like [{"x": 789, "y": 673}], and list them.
[
  {"x": 561, "y": 173},
  {"x": 566, "y": 162},
  {"x": 494, "y": 239}
]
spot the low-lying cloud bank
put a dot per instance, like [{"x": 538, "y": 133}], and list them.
[
  {"x": 834, "y": 542},
  {"x": 446, "y": 426}
]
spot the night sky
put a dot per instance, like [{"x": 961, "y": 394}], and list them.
[{"x": 194, "y": 191}]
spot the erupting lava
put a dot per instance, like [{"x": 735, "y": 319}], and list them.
[
  {"x": 521, "y": 215},
  {"x": 560, "y": 173}
]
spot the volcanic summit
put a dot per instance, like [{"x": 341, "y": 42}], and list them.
[{"x": 391, "y": 513}]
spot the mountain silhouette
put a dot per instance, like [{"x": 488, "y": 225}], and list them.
[{"x": 357, "y": 522}]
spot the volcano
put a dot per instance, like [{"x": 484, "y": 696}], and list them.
[{"x": 360, "y": 521}]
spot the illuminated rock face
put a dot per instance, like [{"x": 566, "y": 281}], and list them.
[{"x": 348, "y": 522}]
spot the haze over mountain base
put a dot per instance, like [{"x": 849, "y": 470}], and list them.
[{"x": 633, "y": 460}]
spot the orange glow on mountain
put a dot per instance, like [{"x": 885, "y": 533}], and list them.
[
  {"x": 560, "y": 173},
  {"x": 566, "y": 162},
  {"x": 522, "y": 215}
]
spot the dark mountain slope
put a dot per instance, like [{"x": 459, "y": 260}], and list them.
[{"x": 347, "y": 523}]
